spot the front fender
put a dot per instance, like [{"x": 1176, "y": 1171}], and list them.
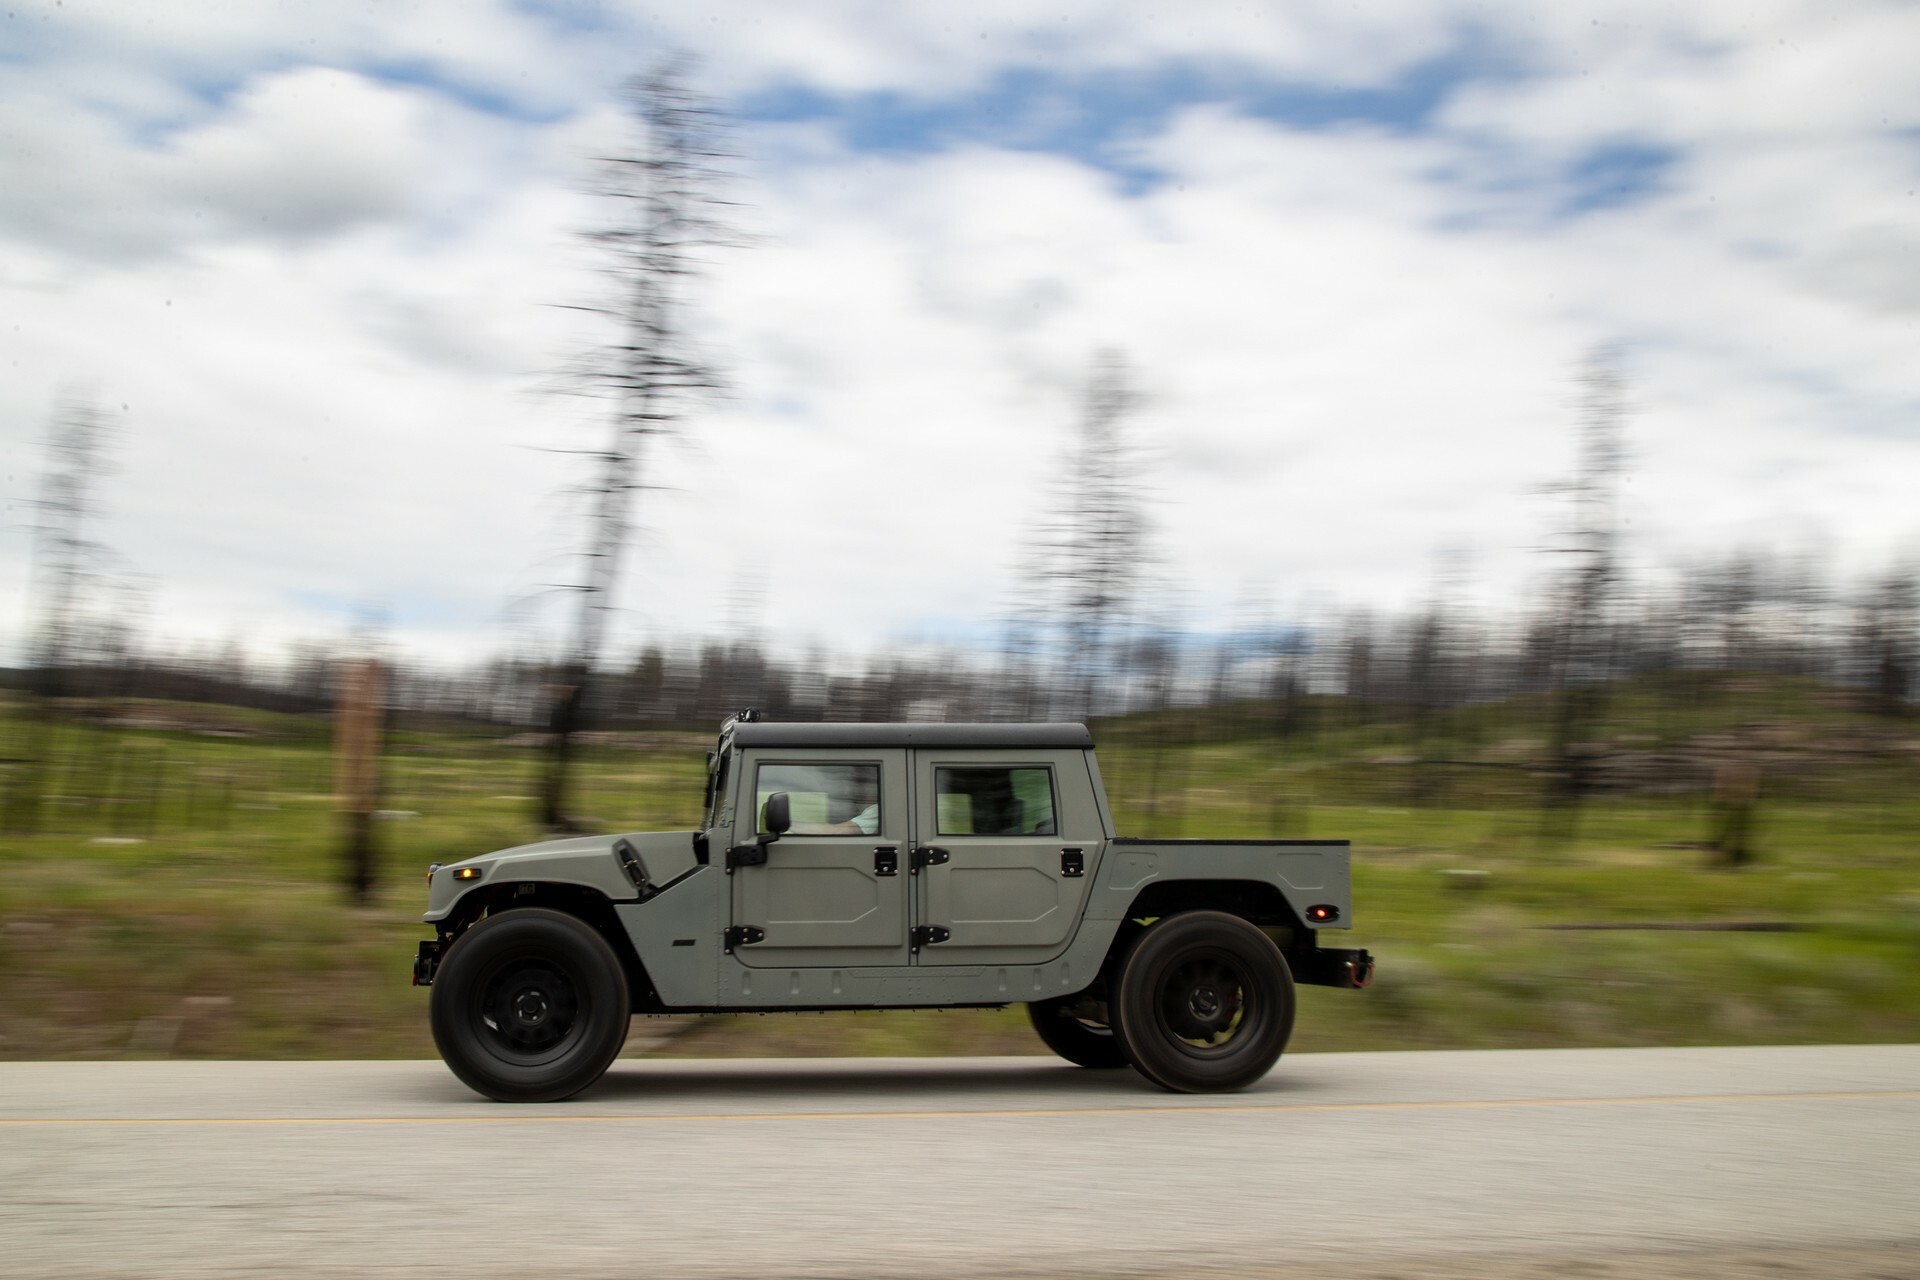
[{"x": 586, "y": 861}]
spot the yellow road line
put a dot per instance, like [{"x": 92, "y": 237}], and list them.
[{"x": 543, "y": 1115}]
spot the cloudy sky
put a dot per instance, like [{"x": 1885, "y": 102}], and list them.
[{"x": 316, "y": 257}]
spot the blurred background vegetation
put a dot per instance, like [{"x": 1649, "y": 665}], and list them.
[{"x": 1740, "y": 866}]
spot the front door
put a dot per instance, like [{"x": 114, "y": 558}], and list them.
[
  {"x": 833, "y": 890},
  {"x": 1000, "y": 874}
]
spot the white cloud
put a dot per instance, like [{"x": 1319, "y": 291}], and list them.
[
  {"x": 1703, "y": 73},
  {"x": 293, "y": 155},
  {"x": 301, "y": 154},
  {"x": 324, "y": 291}
]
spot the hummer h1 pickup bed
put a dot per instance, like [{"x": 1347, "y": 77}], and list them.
[{"x": 887, "y": 866}]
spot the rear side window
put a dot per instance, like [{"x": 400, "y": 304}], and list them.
[
  {"x": 993, "y": 800},
  {"x": 825, "y": 799}
]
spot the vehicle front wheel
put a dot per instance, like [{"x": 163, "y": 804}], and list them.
[
  {"x": 529, "y": 1006},
  {"x": 1083, "y": 1043},
  {"x": 1204, "y": 1003}
]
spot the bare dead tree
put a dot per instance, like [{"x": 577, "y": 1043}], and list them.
[
  {"x": 1437, "y": 676},
  {"x": 663, "y": 194},
  {"x": 1888, "y": 630},
  {"x": 1088, "y": 567},
  {"x": 1428, "y": 642},
  {"x": 67, "y": 565},
  {"x": 1583, "y": 627},
  {"x": 67, "y": 560},
  {"x": 1357, "y": 652}
]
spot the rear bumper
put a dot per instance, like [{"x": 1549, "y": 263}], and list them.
[{"x": 1349, "y": 967}]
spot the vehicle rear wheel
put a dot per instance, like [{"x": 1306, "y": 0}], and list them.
[
  {"x": 530, "y": 1006},
  {"x": 1083, "y": 1043},
  {"x": 1204, "y": 1003}
]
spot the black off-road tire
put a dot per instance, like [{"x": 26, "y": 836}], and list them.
[
  {"x": 1084, "y": 1044},
  {"x": 530, "y": 1006},
  {"x": 1204, "y": 1003}
]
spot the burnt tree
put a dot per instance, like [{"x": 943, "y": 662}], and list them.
[
  {"x": 1087, "y": 571},
  {"x": 1582, "y": 627},
  {"x": 67, "y": 567},
  {"x": 662, "y": 200}
]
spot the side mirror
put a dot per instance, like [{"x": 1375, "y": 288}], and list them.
[{"x": 779, "y": 813}]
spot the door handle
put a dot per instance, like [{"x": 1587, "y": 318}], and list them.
[
  {"x": 1073, "y": 863},
  {"x": 886, "y": 860}
]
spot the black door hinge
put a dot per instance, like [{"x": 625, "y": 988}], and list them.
[
  {"x": 746, "y": 855},
  {"x": 926, "y": 935},
  {"x": 927, "y": 855},
  {"x": 742, "y": 935},
  {"x": 886, "y": 860},
  {"x": 1073, "y": 863}
]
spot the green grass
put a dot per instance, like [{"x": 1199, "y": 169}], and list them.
[{"x": 182, "y": 901}]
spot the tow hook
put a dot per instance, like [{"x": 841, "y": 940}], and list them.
[{"x": 426, "y": 963}]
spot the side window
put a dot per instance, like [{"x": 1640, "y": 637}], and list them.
[
  {"x": 995, "y": 800},
  {"x": 825, "y": 799}
]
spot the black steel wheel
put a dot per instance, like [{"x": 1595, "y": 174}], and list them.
[
  {"x": 530, "y": 1006},
  {"x": 1204, "y": 1003},
  {"x": 1079, "y": 1041}
]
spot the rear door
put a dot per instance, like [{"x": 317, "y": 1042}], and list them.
[
  {"x": 833, "y": 890},
  {"x": 1005, "y": 843}
]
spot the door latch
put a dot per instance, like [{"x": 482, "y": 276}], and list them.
[
  {"x": 886, "y": 860},
  {"x": 1073, "y": 863}
]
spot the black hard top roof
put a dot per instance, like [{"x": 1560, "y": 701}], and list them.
[{"x": 761, "y": 733}]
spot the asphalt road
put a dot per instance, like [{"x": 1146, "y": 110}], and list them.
[{"x": 1594, "y": 1162}]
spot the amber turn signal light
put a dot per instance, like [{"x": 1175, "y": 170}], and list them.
[{"x": 1323, "y": 912}]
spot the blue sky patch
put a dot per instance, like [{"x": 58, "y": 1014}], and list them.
[
  {"x": 1614, "y": 175},
  {"x": 1092, "y": 117},
  {"x": 477, "y": 94}
]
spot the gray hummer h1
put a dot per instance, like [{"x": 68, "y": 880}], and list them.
[{"x": 888, "y": 866}]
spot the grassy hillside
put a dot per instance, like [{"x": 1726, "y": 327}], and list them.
[{"x": 182, "y": 900}]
